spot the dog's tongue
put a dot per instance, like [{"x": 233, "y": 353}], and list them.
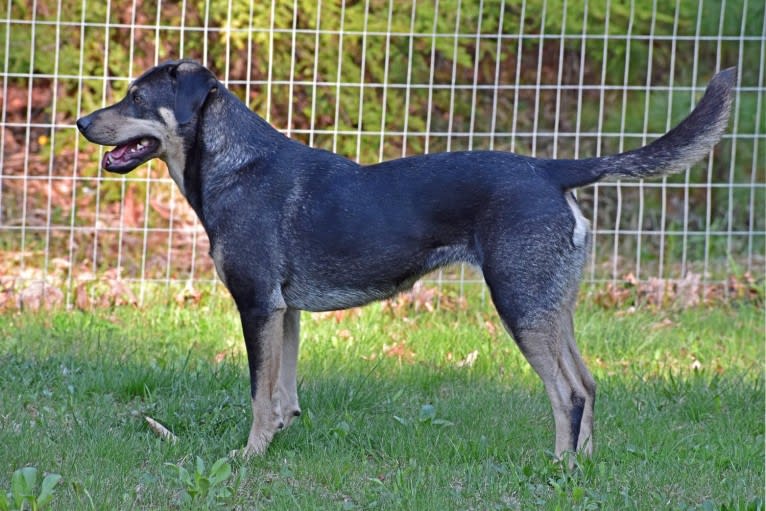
[
  {"x": 119, "y": 151},
  {"x": 116, "y": 155}
]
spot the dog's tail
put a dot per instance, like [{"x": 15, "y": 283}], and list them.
[{"x": 680, "y": 147}]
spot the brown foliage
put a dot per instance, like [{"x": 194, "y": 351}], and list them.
[
  {"x": 423, "y": 298},
  {"x": 690, "y": 291}
]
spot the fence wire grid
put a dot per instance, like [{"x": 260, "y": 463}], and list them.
[{"x": 376, "y": 80}]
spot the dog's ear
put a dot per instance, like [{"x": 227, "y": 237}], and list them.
[{"x": 193, "y": 85}]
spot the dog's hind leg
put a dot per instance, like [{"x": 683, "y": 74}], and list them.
[
  {"x": 586, "y": 383},
  {"x": 288, "y": 385},
  {"x": 548, "y": 344},
  {"x": 533, "y": 281}
]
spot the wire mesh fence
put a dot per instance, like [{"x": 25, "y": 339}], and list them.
[{"x": 375, "y": 80}]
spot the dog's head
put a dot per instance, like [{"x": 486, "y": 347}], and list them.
[{"x": 161, "y": 105}]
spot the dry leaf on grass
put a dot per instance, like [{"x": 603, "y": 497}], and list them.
[
  {"x": 399, "y": 350},
  {"x": 340, "y": 315},
  {"x": 81, "y": 297},
  {"x": 39, "y": 294},
  {"x": 188, "y": 295},
  {"x": 119, "y": 292},
  {"x": 490, "y": 327},
  {"x": 665, "y": 323},
  {"x": 686, "y": 292},
  {"x": 424, "y": 298},
  {"x": 469, "y": 360},
  {"x": 161, "y": 431}
]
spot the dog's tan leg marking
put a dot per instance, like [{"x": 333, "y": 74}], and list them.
[
  {"x": 550, "y": 348},
  {"x": 267, "y": 410},
  {"x": 587, "y": 384},
  {"x": 581, "y": 384},
  {"x": 288, "y": 384}
]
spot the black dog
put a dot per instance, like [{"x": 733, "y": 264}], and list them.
[{"x": 293, "y": 228}]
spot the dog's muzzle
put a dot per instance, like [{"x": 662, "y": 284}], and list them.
[{"x": 127, "y": 155}]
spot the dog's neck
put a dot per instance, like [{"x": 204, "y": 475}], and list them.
[{"x": 225, "y": 138}]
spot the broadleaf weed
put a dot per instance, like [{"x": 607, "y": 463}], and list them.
[
  {"x": 213, "y": 488},
  {"x": 24, "y": 493}
]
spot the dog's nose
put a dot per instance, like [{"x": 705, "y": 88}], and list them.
[{"x": 83, "y": 123}]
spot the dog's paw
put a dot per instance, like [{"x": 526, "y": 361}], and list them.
[
  {"x": 289, "y": 414},
  {"x": 289, "y": 408},
  {"x": 261, "y": 433},
  {"x": 256, "y": 444}
]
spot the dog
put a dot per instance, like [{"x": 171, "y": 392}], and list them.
[{"x": 295, "y": 228}]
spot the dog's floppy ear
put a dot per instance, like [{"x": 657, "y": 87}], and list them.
[{"x": 193, "y": 85}]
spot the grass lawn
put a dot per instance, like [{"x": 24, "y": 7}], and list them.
[{"x": 402, "y": 409}]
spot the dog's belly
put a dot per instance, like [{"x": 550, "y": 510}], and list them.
[
  {"x": 342, "y": 284},
  {"x": 320, "y": 298}
]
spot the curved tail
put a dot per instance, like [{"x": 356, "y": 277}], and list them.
[{"x": 680, "y": 147}]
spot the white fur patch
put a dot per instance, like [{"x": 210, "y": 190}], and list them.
[
  {"x": 175, "y": 157},
  {"x": 580, "y": 233}
]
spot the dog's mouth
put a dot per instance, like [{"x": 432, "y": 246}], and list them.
[{"x": 125, "y": 157}]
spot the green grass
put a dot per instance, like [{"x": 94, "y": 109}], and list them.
[{"x": 679, "y": 414}]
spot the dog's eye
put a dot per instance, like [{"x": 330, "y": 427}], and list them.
[{"x": 137, "y": 98}]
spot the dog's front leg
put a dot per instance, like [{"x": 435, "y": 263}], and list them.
[
  {"x": 263, "y": 338},
  {"x": 288, "y": 384}
]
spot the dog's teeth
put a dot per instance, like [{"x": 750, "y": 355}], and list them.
[{"x": 140, "y": 145}]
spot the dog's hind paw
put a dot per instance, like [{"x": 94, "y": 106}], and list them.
[
  {"x": 256, "y": 445},
  {"x": 288, "y": 415}
]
